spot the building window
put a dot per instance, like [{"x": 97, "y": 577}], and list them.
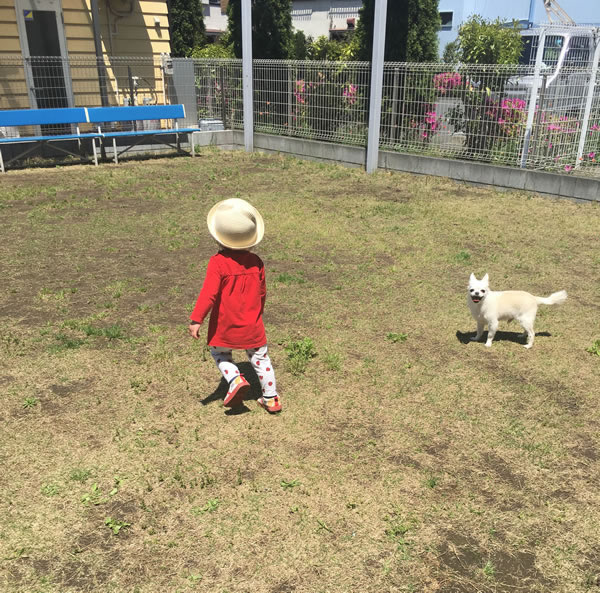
[
  {"x": 301, "y": 14},
  {"x": 446, "y": 18},
  {"x": 214, "y": 2}
]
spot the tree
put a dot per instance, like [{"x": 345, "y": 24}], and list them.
[
  {"x": 323, "y": 48},
  {"x": 186, "y": 25},
  {"x": 451, "y": 53},
  {"x": 486, "y": 114},
  {"x": 271, "y": 28},
  {"x": 488, "y": 42},
  {"x": 212, "y": 51},
  {"x": 299, "y": 46},
  {"x": 411, "y": 31}
]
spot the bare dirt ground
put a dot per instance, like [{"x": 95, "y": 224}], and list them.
[{"x": 407, "y": 458}]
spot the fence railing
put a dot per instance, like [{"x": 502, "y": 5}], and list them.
[{"x": 468, "y": 112}]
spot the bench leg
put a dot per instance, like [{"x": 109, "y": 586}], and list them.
[
  {"x": 2, "y": 163},
  {"x": 191, "y": 141},
  {"x": 94, "y": 149},
  {"x": 115, "y": 151}
]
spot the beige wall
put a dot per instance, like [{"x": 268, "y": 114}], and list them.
[
  {"x": 9, "y": 34},
  {"x": 129, "y": 28},
  {"x": 13, "y": 92}
]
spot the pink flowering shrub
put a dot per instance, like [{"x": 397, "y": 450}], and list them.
[
  {"x": 425, "y": 127},
  {"x": 446, "y": 82},
  {"x": 350, "y": 93},
  {"x": 430, "y": 124},
  {"x": 324, "y": 104},
  {"x": 557, "y": 139},
  {"x": 593, "y": 144},
  {"x": 299, "y": 91},
  {"x": 510, "y": 115},
  {"x": 302, "y": 90}
]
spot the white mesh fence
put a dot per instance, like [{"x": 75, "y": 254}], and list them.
[
  {"x": 315, "y": 100},
  {"x": 481, "y": 113},
  {"x": 469, "y": 112},
  {"x": 591, "y": 147},
  {"x": 218, "y": 92}
]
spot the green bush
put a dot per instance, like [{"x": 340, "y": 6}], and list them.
[{"x": 213, "y": 50}]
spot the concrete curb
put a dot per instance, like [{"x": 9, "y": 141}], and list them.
[{"x": 541, "y": 182}]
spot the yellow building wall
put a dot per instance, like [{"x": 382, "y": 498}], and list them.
[
  {"x": 138, "y": 29},
  {"x": 9, "y": 33},
  {"x": 128, "y": 29},
  {"x": 13, "y": 90}
]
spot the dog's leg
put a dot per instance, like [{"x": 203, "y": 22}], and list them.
[
  {"x": 492, "y": 329},
  {"x": 480, "y": 327},
  {"x": 528, "y": 327}
]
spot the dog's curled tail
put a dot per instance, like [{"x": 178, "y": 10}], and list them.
[{"x": 556, "y": 298}]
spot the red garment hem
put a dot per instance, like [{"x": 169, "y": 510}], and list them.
[{"x": 238, "y": 347}]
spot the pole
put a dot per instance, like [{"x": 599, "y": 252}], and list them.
[
  {"x": 290, "y": 94},
  {"x": 376, "y": 84},
  {"x": 99, "y": 55},
  {"x": 588, "y": 105},
  {"x": 131, "y": 93},
  {"x": 538, "y": 117},
  {"x": 247, "y": 75},
  {"x": 396, "y": 84},
  {"x": 537, "y": 79},
  {"x": 223, "y": 100},
  {"x": 531, "y": 13}
]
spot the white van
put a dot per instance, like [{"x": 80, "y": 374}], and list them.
[{"x": 567, "y": 58}]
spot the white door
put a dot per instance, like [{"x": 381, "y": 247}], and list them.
[{"x": 43, "y": 45}]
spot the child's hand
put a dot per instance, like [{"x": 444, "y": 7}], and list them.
[{"x": 194, "y": 329}]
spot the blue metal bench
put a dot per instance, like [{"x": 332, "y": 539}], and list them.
[
  {"x": 72, "y": 116},
  {"x": 138, "y": 113}
]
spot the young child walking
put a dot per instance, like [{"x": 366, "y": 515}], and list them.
[{"x": 234, "y": 292}]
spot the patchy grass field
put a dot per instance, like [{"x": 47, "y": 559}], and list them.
[{"x": 406, "y": 458}]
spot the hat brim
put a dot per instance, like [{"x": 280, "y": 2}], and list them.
[{"x": 258, "y": 237}]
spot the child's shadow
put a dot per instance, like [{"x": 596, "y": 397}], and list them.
[
  {"x": 219, "y": 393},
  {"x": 517, "y": 337}
]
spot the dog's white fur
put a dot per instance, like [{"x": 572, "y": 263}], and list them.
[{"x": 489, "y": 307}]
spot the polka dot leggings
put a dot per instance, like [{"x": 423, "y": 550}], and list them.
[{"x": 258, "y": 357}]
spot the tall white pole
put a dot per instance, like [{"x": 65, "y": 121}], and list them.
[
  {"x": 376, "y": 84},
  {"x": 247, "y": 75},
  {"x": 531, "y": 13},
  {"x": 588, "y": 105},
  {"x": 535, "y": 88}
]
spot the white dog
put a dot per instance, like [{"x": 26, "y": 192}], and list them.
[{"x": 489, "y": 306}]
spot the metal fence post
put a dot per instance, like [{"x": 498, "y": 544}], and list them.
[
  {"x": 588, "y": 105},
  {"x": 290, "y": 94},
  {"x": 533, "y": 98},
  {"x": 395, "y": 85},
  {"x": 247, "y": 75},
  {"x": 221, "y": 69},
  {"x": 538, "y": 115},
  {"x": 376, "y": 84}
]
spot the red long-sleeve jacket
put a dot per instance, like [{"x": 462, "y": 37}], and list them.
[{"x": 234, "y": 292}]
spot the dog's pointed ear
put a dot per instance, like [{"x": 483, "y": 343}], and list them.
[
  {"x": 486, "y": 279},
  {"x": 472, "y": 278}
]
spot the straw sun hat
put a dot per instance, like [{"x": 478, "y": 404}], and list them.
[{"x": 235, "y": 224}]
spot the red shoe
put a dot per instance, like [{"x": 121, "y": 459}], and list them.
[
  {"x": 271, "y": 404},
  {"x": 238, "y": 389}
]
